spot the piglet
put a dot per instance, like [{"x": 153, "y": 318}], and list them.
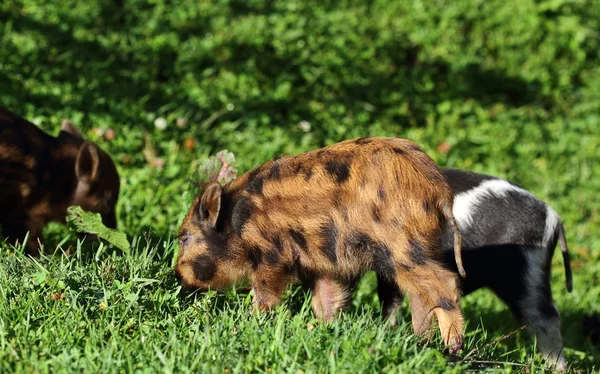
[
  {"x": 40, "y": 176},
  {"x": 324, "y": 218}
]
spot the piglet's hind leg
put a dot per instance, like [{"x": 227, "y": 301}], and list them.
[
  {"x": 537, "y": 309},
  {"x": 435, "y": 288}
]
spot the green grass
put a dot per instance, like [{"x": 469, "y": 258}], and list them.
[
  {"x": 509, "y": 87},
  {"x": 103, "y": 312}
]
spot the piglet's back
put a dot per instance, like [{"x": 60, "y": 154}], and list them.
[
  {"x": 358, "y": 170},
  {"x": 22, "y": 147},
  {"x": 20, "y": 135}
]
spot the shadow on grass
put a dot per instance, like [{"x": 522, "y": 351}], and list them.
[
  {"x": 119, "y": 76},
  {"x": 578, "y": 336},
  {"x": 581, "y": 352},
  {"x": 108, "y": 72}
]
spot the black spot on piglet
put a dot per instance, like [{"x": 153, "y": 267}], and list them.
[
  {"x": 446, "y": 304},
  {"x": 272, "y": 257},
  {"x": 274, "y": 173},
  {"x": 241, "y": 214},
  {"x": 330, "y": 239},
  {"x": 376, "y": 213},
  {"x": 256, "y": 185},
  {"x": 204, "y": 268},
  {"x": 381, "y": 193},
  {"x": 299, "y": 238},
  {"x": 255, "y": 257},
  {"x": 426, "y": 206},
  {"x": 338, "y": 169},
  {"x": 416, "y": 252}
]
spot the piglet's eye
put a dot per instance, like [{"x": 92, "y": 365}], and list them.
[{"x": 184, "y": 240}]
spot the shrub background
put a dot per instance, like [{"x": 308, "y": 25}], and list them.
[{"x": 506, "y": 87}]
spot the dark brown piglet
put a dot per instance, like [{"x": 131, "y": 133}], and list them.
[
  {"x": 40, "y": 176},
  {"x": 325, "y": 217}
]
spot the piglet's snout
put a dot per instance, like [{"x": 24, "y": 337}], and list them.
[{"x": 178, "y": 275}]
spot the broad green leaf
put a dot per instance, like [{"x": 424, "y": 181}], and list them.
[{"x": 87, "y": 222}]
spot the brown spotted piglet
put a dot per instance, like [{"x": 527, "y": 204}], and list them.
[
  {"x": 325, "y": 217},
  {"x": 40, "y": 176}
]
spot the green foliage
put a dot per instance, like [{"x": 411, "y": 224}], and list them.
[
  {"x": 126, "y": 313},
  {"x": 506, "y": 87},
  {"x": 91, "y": 223}
]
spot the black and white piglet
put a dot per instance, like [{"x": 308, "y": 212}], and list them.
[{"x": 509, "y": 237}]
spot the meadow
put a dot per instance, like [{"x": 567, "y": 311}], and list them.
[{"x": 505, "y": 87}]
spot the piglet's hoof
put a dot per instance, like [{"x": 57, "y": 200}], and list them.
[
  {"x": 455, "y": 346},
  {"x": 561, "y": 365}
]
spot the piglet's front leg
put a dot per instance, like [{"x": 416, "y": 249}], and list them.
[
  {"x": 329, "y": 298},
  {"x": 268, "y": 283},
  {"x": 390, "y": 298}
]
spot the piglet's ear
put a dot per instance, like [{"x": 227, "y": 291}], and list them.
[
  {"x": 68, "y": 127},
  {"x": 210, "y": 205},
  {"x": 87, "y": 164}
]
